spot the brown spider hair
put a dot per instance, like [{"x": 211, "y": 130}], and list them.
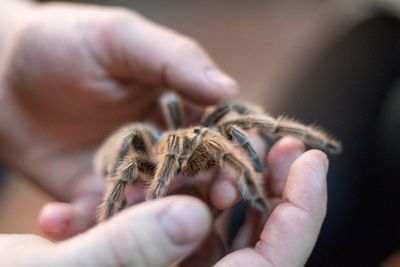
[{"x": 137, "y": 150}]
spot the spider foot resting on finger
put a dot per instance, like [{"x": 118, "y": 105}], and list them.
[
  {"x": 125, "y": 157},
  {"x": 138, "y": 151}
]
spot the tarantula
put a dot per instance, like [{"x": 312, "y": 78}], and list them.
[{"x": 138, "y": 150}]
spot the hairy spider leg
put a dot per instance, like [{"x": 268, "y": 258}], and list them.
[
  {"x": 222, "y": 109},
  {"x": 242, "y": 109},
  {"x": 235, "y": 133},
  {"x": 133, "y": 158},
  {"x": 282, "y": 126},
  {"x": 241, "y": 137},
  {"x": 172, "y": 108},
  {"x": 168, "y": 166},
  {"x": 215, "y": 150}
]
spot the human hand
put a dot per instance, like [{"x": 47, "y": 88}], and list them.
[
  {"x": 72, "y": 74},
  {"x": 156, "y": 233},
  {"x": 159, "y": 233},
  {"x": 297, "y": 183}
]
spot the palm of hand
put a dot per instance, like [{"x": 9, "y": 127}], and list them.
[
  {"x": 68, "y": 79},
  {"x": 64, "y": 88}
]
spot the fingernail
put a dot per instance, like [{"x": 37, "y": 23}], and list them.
[
  {"x": 54, "y": 220},
  {"x": 186, "y": 221},
  {"x": 222, "y": 81}
]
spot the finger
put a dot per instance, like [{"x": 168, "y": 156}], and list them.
[
  {"x": 63, "y": 220},
  {"x": 280, "y": 158},
  {"x": 60, "y": 220},
  {"x": 195, "y": 75},
  {"x": 223, "y": 192},
  {"x": 157, "y": 56},
  {"x": 292, "y": 229},
  {"x": 155, "y": 233}
]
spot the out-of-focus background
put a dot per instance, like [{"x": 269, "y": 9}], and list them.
[{"x": 333, "y": 62}]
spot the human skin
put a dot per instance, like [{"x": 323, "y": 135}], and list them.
[
  {"x": 67, "y": 85},
  {"x": 141, "y": 236}
]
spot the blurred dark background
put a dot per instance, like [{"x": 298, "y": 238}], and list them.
[{"x": 336, "y": 63}]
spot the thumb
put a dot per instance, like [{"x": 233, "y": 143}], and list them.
[{"x": 156, "y": 233}]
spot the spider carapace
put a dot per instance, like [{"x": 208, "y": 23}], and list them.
[{"x": 137, "y": 151}]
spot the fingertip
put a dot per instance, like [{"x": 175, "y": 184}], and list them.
[
  {"x": 205, "y": 87},
  {"x": 315, "y": 162},
  {"x": 185, "y": 220},
  {"x": 286, "y": 145},
  {"x": 295, "y": 223},
  {"x": 49, "y": 221},
  {"x": 223, "y": 192},
  {"x": 280, "y": 159},
  {"x": 306, "y": 186},
  {"x": 222, "y": 82},
  {"x": 193, "y": 73},
  {"x": 323, "y": 158},
  {"x": 62, "y": 220}
]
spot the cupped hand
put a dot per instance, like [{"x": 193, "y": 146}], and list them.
[
  {"x": 71, "y": 75},
  {"x": 296, "y": 183},
  {"x": 168, "y": 231},
  {"x": 74, "y": 73}
]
